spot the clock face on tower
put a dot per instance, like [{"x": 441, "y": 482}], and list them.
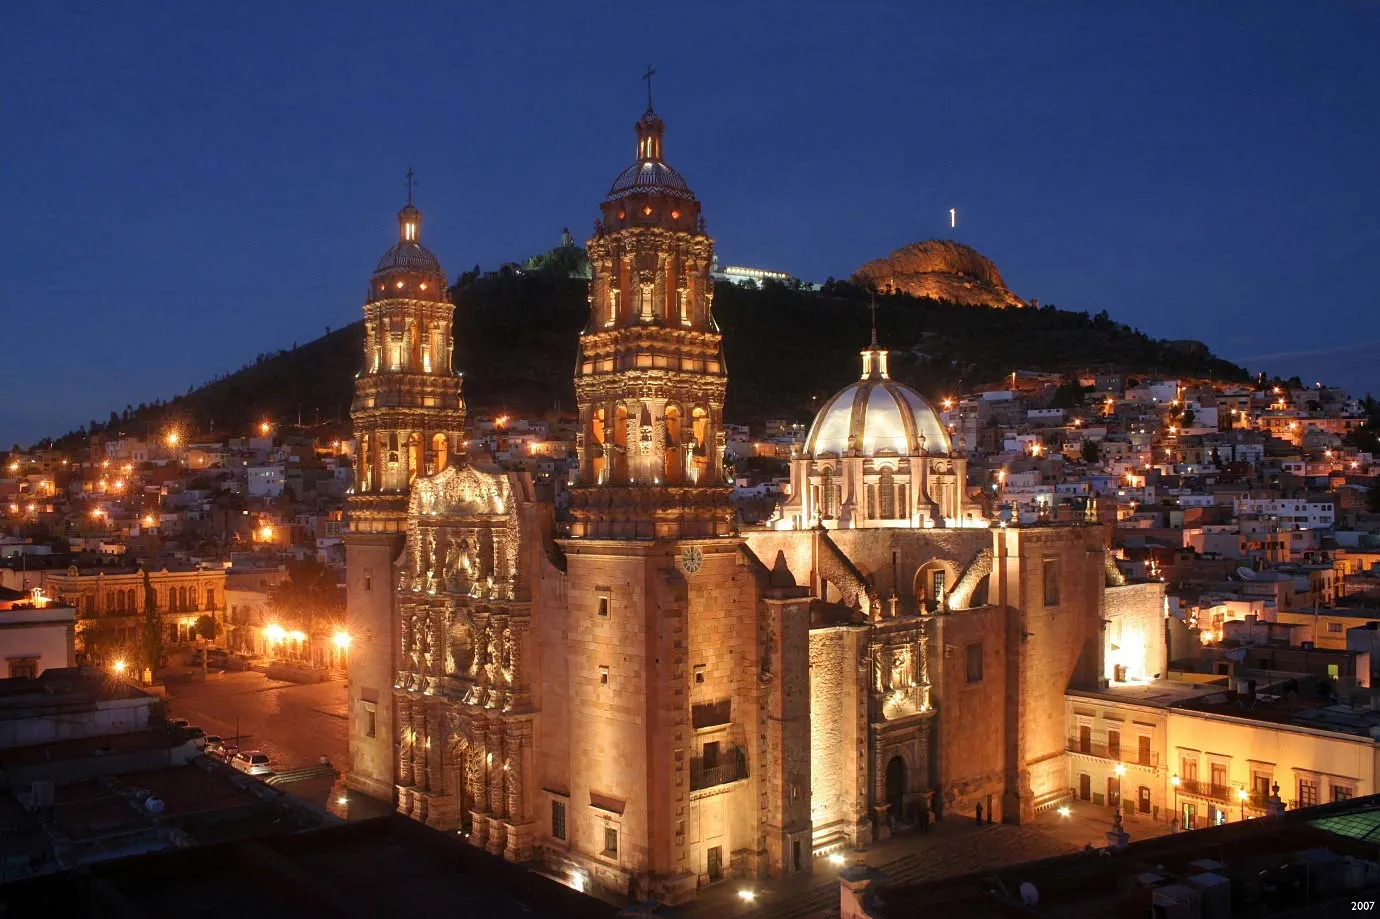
[{"x": 691, "y": 558}]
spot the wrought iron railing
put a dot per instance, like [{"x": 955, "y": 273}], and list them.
[
  {"x": 1207, "y": 790},
  {"x": 729, "y": 766}
]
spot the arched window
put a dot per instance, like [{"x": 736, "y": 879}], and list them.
[
  {"x": 439, "y": 454},
  {"x": 120, "y": 601},
  {"x": 887, "y": 489},
  {"x": 110, "y": 601},
  {"x": 194, "y": 599},
  {"x": 614, "y": 293},
  {"x": 826, "y": 494},
  {"x": 131, "y": 600},
  {"x": 210, "y": 598},
  {"x": 414, "y": 457},
  {"x": 182, "y": 598}
]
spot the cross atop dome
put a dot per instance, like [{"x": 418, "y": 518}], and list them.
[{"x": 874, "y": 356}]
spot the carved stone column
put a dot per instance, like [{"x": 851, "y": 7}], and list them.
[
  {"x": 656, "y": 461},
  {"x": 405, "y": 741},
  {"x": 479, "y": 788}
]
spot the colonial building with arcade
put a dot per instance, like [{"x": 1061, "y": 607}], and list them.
[{"x": 646, "y": 696}]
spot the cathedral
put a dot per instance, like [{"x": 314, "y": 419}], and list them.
[{"x": 647, "y": 697}]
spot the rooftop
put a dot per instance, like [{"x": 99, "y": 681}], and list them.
[
  {"x": 381, "y": 867},
  {"x": 1156, "y": 693},
  {"x": 1099, "y": 883}
]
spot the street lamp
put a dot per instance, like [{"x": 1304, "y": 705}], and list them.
[
  {"x": 1174, "y": 780},
  {"x": 119, "y": 666},
  {"x": 1241, "y": 796}
]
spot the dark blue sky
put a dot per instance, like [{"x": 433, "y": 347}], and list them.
[{"x": 188, "y": 184}]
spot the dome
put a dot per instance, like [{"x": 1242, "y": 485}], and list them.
[
  {"x": 649, "y": 174},
  {"x": 650, "y": 177},
  {"x": 409, "y": 256},
  {"x": 877, "y": 416}
]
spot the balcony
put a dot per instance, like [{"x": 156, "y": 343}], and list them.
[
  {"x": 1121, "y": 754},
  {"x": 1208, "y": 790},
  {"x": 729, "y": 765}
]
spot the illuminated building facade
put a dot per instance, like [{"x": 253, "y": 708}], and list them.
[
  {"x": 650, "y": 701},
  {"x": 409, "y": 420}
]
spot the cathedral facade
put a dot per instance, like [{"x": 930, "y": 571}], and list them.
[{"x": 646, "y": 697}]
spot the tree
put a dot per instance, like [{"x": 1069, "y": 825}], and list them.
[
  {"x": 1092, "y": 451},
  {"x": 206, "y": 627}
]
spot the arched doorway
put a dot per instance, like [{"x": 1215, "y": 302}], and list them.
[{"x": 896, "y": 788}]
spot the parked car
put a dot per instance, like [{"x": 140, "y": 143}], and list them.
[
  {"x": 252, "y": 762},
  {"x": 227, "y": 752},
  {"x": 215, "y": 745},
  {"x": 179, "y": 723}
]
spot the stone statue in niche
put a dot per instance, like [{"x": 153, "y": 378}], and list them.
[
  {"x": 900, "y": 668},
  {"x": 508, "y": 662},
  {"x": 492, "y": 655},
  {"x": 431, "y": 561},
  {"x": 462, "y": 647},
  {"x": 878, "y": 678},
  {"x": 452, "y": 563},
  {"x": 469, "y": 557}
]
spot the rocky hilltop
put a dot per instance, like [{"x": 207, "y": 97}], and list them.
[{"x": 940, "y": 269}]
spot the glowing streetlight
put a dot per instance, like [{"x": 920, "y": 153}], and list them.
[
  {"x": 1065, "y": 811},
  {"x": 1119, "y": 769},
  {"x": 501, "y": 421},
  {"x": 266, "y": 533},
  {"x": 119, "y": 666},
  {"x": 837, "y": 859},
  {"x": 948, "y": 403},
  {"x": 148, "y": 520},
  {"x": 14, "y": 467},
  {"x": 747, "y": 895},
  {"x": 173, "y": 438},
  {"x": 341, "y": 639},
  {"x": 97, "y": 513},
  {"x": 264, "y": 428}
]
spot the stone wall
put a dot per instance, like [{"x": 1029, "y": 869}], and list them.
[
  {"x": 1057, "y": 645},
  {"x": 838, "y": 739},
  {"x": 370, "y": 618},
  {"x": 972, "y": 724},
  {"x": 1134, "y": 636}
]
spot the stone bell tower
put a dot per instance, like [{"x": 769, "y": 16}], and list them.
[
  {"x": 650, "y": 380},
  {"x": 660, "y": 629},
  {"x": 409, "y": 419}
]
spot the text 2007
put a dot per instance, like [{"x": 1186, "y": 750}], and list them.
[{"x": 1358, "y": 905}]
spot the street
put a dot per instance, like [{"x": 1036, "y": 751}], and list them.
[{"x": 295, "y": 724}]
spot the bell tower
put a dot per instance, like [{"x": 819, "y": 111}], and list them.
[
  {"x": 409, "y": 419},
  {"x": 660, "y": 630},
  {"x": 650, "y": 380}
]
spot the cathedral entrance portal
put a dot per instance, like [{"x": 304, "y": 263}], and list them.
[{"x": 896, "y": 788}]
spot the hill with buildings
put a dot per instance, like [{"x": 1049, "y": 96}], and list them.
[{"x": 786, "y": 347}]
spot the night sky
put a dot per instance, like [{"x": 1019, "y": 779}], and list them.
[{"x": 186, "y": 185}]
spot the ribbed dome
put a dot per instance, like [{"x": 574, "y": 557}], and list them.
[
  {"x": 650, "y": 177},
  {"x": 409, "y": 256},
  {"x": 877, "y": 416}
]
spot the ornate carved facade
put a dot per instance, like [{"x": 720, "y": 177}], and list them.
[
  {"x": 463, "y": 686},
  {"x": 408, "y": 412},
  {"x": 650, "y": 380},
  {"x": 645, "y": 704}
]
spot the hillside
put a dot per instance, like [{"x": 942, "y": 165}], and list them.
[{"x": 516, "y": 337}]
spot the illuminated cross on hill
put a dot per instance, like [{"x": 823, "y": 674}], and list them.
[
  {"x": 409, "y": 184},
  {"x": 648, "y": 77}
]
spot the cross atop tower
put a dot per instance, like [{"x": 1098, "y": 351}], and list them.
[
  {"x": 648, "y": 77},
  {"x": 873, "y": 308},
  {"x": 410, "y": 180}
]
